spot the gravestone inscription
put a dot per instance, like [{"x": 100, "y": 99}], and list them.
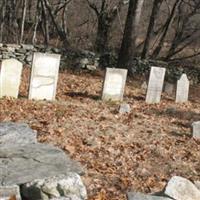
[
  {"x": 155, "y": 85},
  {"x": 44, "y": 76},
  {"x": 182, "y": 89},
  {"x": 114, "y": 84},
  {"x": 10, "y": 78}
]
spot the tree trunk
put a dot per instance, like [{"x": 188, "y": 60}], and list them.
[
  {"x": 127, "y": 51},
  {"x": 166, "y": 28},
  {"x": 101, "y": 43},
  {"x": 155, "y": 10},
  {"x": 23, "y": 20}
]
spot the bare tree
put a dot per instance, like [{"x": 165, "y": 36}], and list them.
[
  {"x": 106, "y": 14},
  {"x": 165, "y": 29},
  {"x": 127, "y": 51},
  {"x": 154, "y": 14}
]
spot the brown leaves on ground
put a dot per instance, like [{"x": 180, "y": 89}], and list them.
[{"x": 138, "y": 151}]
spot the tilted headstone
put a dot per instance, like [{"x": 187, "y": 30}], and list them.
[
  {"x": 44, "y": 76},
  {"x": 114, "y": 84},
  {"x": 182, "y": 89},
  {"x": 10, "y": 77},
  {"x": 155, "y": 85},
  {"x": 196, "y": 129}
]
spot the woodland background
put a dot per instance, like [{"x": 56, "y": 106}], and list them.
[{"x": 149, "y": 29}]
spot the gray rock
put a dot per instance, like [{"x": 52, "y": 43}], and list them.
[
  {"x": 83, "y": 63},
  {"x": 69, "y": 186},
  {"x": 180, "y": 188},
  {"x": 144, "y": 86},
  {"x": 197, "y": 184},
  {"x": 22, "y": 164},
  {"x": 16, "y": 134},
  {"x": 124, "y": 108},
  {"x": 91, "y": 67},
  {"x": 27, "y": 46},
  {"x": 29, "y": 58},
  {"x": 22, "y": 51},
  {"x": 139, "y": 196},
  {"x": 6, "y": 192},
  {"x": 15, "y": 46}
]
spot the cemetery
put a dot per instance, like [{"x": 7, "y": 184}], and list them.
[{"x": 96, "y": 135}]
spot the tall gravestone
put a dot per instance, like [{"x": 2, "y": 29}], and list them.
[
  {"x": 114, "y": 84},
  {"x": 155, "y": 85},
  {"x": 44, "y": 76},
  {"x": 10, "y": 77},
  {"x": 182, "y": 89}
]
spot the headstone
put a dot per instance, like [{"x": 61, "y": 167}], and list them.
[
  {"x": 124, "y": 108},
  {"x": 181, "y": 188},
  {"x": 10, "y": 78},
  {"x": 10, "y": 192},
  {"x": 196, "y": 130},
  {"x": 168, "y": 88},
  {"x": 182, "y": 89},
  {"x": 44, "y": 76},
  {"x": 114, "y": 84},
  {"x": 155, "y": 85}
]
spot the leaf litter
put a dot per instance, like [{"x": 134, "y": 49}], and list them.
[{"x": 137, "y": 151}]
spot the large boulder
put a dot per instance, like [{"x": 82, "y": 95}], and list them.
[
  {"x": 67, "y": 186},
  {"x": 22, "y": 164},
  {"x": 41, "y": 170},
  {"x": 180, "y": 188},
  {"x": 16, "y": 134}
]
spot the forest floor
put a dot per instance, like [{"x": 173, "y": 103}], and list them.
[{"x": 137, "y": 151}]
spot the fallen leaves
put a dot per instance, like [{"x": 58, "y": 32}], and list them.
[{"x": 137, "y": 151}]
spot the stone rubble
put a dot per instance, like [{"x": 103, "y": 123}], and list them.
[
  {"x": 178, "y": 188},
  {"x": 24, "y": 53},
  {"x": 42, "y": 171}
]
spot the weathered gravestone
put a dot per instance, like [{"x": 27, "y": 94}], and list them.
[
  {"x": 155, "y": 85},
  {"x": 10, "y": 77},
  {"x": 196, "y": 129},
  {"x": 182, "y": 89},
  {"x": 44, "y": 76},
  {"x": 114, "y": 84}
]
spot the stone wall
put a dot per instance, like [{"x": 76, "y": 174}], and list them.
[{"x": 71, "y": 58}]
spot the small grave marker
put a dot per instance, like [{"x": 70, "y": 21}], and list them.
[
  {"x": 196, "y": 129},
  {"x": 44, "y": 76},
  {"x": 114, "y": 84},
  {"x": 155, "y": 85},
  {"x": 10, "y": 78},
  {"x": 182, "y": 89}
]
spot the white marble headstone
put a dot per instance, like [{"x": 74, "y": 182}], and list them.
[
  {"x": 182, "y": 89},
  {"x": 155, "y": 85},
  {"x": 10, "y": 78},
  {"x": 114, "y": 84},
  {"x": 196, "y": 129},
  {"x": 44, "y": 76}
]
